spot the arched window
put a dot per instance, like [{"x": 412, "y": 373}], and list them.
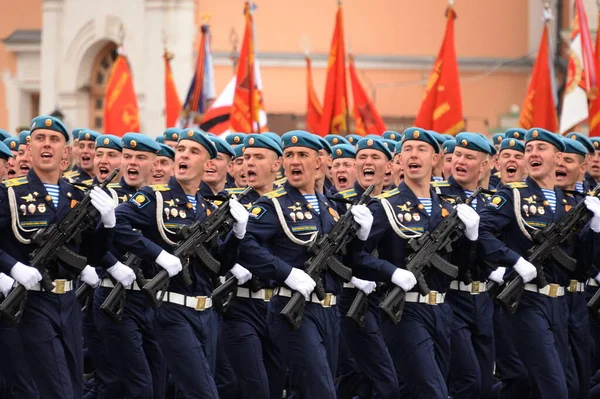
[{"x": 100, "y": 73}]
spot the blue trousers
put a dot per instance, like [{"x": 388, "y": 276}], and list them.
[
  {"x": 18, "y": 382},
  {"x": 473, "y": 349},
  {"x": 132, "y": 348},
  {"x": 51, "y": 335},
  {"x": 580, "y": 341},
  {"x": 420, "y": 348},
  {"x": 594, "y": 331},
  {"x": 188, "y": 339},
  {"x": 255, "y": 358},
  {"x": 225, "y": 378},
  {"x": 311, "y": 352}
]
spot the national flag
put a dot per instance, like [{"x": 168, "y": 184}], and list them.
[
  {"x": 216, "y": 118},
  {"x": 441, "y": 109},
  {"x": 581, "y": 73},
  {"x": 366, "y": 117},
  {"x": 594, "y": 118},
  {"x": 121, "y": 113},
  {"x": 313, "y": 106},
  {"x": 172, "y": 102},
  {"x": 335, "y": 101},
  {"x": 539, "y": 109}
]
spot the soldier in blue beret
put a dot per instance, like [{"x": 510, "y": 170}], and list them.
[
  {"x": 235, "y": 139},
  {"x": 216, "y": 178},
  {"x": 515, "y": 133},
  {"x": 86, "y": 147},
  {"x": 160, "y": 139},
  {"x": 511, "y": 161},
  {"x": 11, "y": 166},
  {"x": 335, "y": 139},
  {"x": 437, "y": 168},
  {"x": 343, "y": 167},
  {"x": 397, "y": 171},
  {"x": 353, "y": 138},
  {"x": 497, "y": 139},
  {"x": 391, "y": 135},
  {"x": 5, "y": 155},
  {"x": 582, "y": 185},
  {"x": 4, "y": 134},
  {"x": 274, "y": 248},
  {"x": 23, "y": 160},
  {"x": 163, "y": 167},
  {"x": 275, "y": 137},
  {"x": 448, "y": 150},
  {"x": 41, "y": 199},
  {"x": 236, "y": 168},
  {"x": 107, "y": 156},
  {"x": 262, "y": 159},
  {"x": 172, "y": 136},
  {"x": 75, "y": 149},
  {"x": 324, "y": 179},
  {"x": 593, "y": 173}
]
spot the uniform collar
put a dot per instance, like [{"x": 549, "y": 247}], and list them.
[{"x": 407, "y": 195}]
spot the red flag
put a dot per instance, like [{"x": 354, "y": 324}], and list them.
[
  {"x": 594, "y": 117},
  {"x": 313, "y": 106},
  {"x": 245, "y": 107},
  {"x": 441, "y": 109},
  {"x": 172, "y": 103},
  {"x": 120, "y": 104},
  {"x": 538, "y": 108},
  {"x": 366, "y": 117},
  {"x": 335, "y": 101}
]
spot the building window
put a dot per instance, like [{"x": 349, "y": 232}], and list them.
[
  {"x": 35, "y": 105},
  {"x": 99, "y": 78}
]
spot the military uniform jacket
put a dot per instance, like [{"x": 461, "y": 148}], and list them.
[
  {"x": 146, "y": 241},
  {"x": 35, "y": 210},
  {"x": 351, "y": 194},
  {"x": 266, "y": 250}
]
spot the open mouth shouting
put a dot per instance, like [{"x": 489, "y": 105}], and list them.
[
  {"x": 85, "y": 159},
  {"x": 11, "y": 173},
  {"x": 24, "y": 167},
  {"x": 369, "y": 173},
  {"x": 133, "y": 173},
  {"x": 560, "y": 174},
  {"x": 413, "y": 166},
  {"x": 296, "y": 173},
  {"x": 103, "y": 172},
  {"x": 511, "y": 171},
  {"x": 251, "y": 175}
]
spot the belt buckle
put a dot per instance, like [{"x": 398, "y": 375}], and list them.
[
  {"x": 60, "y": 286},
  {"x": 553, "y": 292},
  {"x": 432, "y": 298},
  {"x": 268, "y": 294},
  {"x": 475, "y": 287},
  {"x": 200, "y": 302},
  {"x": 327, "y": 300},
  {"x": 573, "y": 285}
]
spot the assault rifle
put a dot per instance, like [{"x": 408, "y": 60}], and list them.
[
  {"x": 323, "y": 257},
  {"x": 224, "y": 294},
  {"x": 196, "y": 237},
  {"x": 52, "y": 247}
]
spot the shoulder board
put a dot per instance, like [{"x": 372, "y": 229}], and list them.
[
  {"x": 517, "y": 184},
  {"x": 276, "y": 193},
  {"x": 114, "y": 185},
  {"x": 280, "y": 182},
  {"x": 80, "y": 187},
  {"x": 88, "y": 182},
  {"x": 498, "y": 174},
  {"x": 234, "y": 190},
  {"x": 441, "y": 183},
  {"x": 70, "y": 174},
  {"x": 388, "y": 194},
  {"x": 349, "y": 193},
  {"x": 160, "y": 187},
  {"x": 16, "y": 181}
]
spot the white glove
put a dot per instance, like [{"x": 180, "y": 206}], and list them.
[
  {"x": 404, "y": 279},
  {"x": 6, "y": 284},
  {"x": 498, "y": 275},
  {"x": 122, "y": 273},
  {"x": 171, "y": 263},
  {"x": 526, "y": 270},
  {"x": 471, "y": 220},
  {"x": 242, "y": 274},
  {"x": 362, "y": 216},
  {"x": 597, "y": 278},
  {"x": 240, "y": 214},
  {"x": 89, "y": 276},
  {"x": 593, "y": 204},
  {"x": 365, "y": 286},
  {"x": 299, "y": 281},
  {"x": 25, "y": 275},
  {"x": 105, "y": 205}
]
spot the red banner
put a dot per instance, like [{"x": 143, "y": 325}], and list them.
[
  {"x": 121, "y": 113},
  {"x": 366, "y": 117},
  {"x": 313, "y": 106},
  {"x": 172, "y": 102}
]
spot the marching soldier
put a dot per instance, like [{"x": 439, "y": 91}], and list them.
[
  {"x": 86, "y": 147},
  {"x": 237, "y": 167},
  {"x": 511, "y": 162},
  {"x": 448, "y": 149},
  {"x": 323, "y": 180},
  {"x": 235, "y": 139},
  {"x": 214, "y": 180},
  {"x": 5, "y": 155},
  {"x": 23, "y": 159},
  {"x": 11, "y": 165},
  {"x": 171, "y": 137},
  {"x": 162, "y": 170},
  {"x": 343, "y": 167}
]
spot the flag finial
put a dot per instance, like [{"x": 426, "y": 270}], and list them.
[{"x": 548, "y": 14}]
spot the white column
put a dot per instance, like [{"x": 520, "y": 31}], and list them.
[
  {"x": 51, "y": 54},
  {"x": 181, "y": 34}
]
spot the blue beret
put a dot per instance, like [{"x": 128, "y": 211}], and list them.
[
  {"x": 392, "y": 135},
  {"x": 448, "y": 137},
  {"x": 24, "y": 137},
  {"x": 589, "y": 146},
  {"x": 373, "y": 144},
  {"x": 335, "y": 139},
  {"x": 262, "y": 141},
  {"x": 596, "y": 142},
  {"x": 574, "y": 146},
  {"x": 448, "y": 146},
  {"x": 324, "y": 145},
  {"x": 76, "y": 132},
  {"x": 415, "y": 133},
  {"x": 235, "y": 138},
  {"x": 438, "y": 137},
  {"x": 5, "y": 152},
  {"x": 512, "y": 144},
  {"x": 201, "y": 138},
  {"x": 12, "y": 143},
  {"x": 88, "y": 135},
  {"x": 49, "y": 123},
  {"x": 353, "y": 138},
  {"x": 222, "y": 146},
  {"x": 493, "y": 150},
  {"x": 109, "y": 141},
  {"x": 172, "y": 134},
  {"x": 160, "y": 139},
  {"x": 473, "y": 141},
  {"x": 166, "y": 151},
  {"x": 275, "y": 137},
  {"x": 398, "y": 148},
  {"x": 515, "y": 133},
  {"x": 343, "y": 151},
  {"x": 139, "y": 142},
  {"x": 390, "y": 144},
  {"x": 537, "y": 133},
  {"x": 497, "y": 138},
  {"x": 301, "y": 138},
  {"x": 4, "y": 134},
  {"x": 239, "y": 151}
]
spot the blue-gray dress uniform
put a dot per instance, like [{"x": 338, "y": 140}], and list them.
[
  {"x": 79, "y": 175},
  {"x": 50, "y": 328}
]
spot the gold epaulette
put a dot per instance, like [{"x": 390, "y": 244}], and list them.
[
  {"x": 18, "y": 181},
  {"x": 498, "y": 174},
  {"x": 517, "y": 184},
  {"x": 388, "y": 194},
  {"x": 276, "y": 193},
  {"x": 88, "y": 182},
  {"x": 70, "y": 174},
  {"x": 114, "y": 185},
  {"x": 234, "y": 190},
  {"x": 160, "y": 187},
  {"x": 441, "y": 183},
  {"x": 349, "y": 193},
  {"x": 280, "y": 182}
]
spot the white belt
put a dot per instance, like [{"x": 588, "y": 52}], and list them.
[
  {"x": 107, "y": 283},
  {"x": 198, "y": 303},
  {"x": 60, "y": 286},
  {"x": 349, "y": 285},
  {"x": 592, "y": 282},
  {"x": 264, "y": 294},
  {"x": 475, "y": 288},
  {"x": 330, "y": 299},
  {"x": 551, "y": 290},
  {"x": 575, "y": 286},
  {"x": 433, "y": 298}
]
